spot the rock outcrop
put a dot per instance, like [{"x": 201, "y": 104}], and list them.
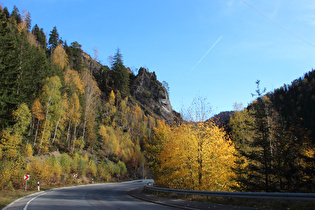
[
  {"x": 145, "y": 87},
  {"x": 90, "y": 63},
  {"x": 150, "y": 92}
]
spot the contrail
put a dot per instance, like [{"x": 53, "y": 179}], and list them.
[
  {"x": 205, "y": 54},
  {"x": 300, "y": 38}
]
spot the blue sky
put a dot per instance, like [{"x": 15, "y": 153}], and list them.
[{"x": 268, "y": 40}]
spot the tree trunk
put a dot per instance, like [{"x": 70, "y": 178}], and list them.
[
  {"x": 74, "y": 135},
  {"x": 56, "y": 128},
  {"x": 68, "y": 134},
  {"x": 57, "y": 125},
  {"x": 36, "y": 132}
]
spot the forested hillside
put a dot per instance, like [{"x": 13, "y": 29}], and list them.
[
  {"x": 296, "y": 103},
  {"x": 274, "y": 134},
  {"x": 63, "y": 113}
]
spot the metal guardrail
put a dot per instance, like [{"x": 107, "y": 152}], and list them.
[{"x": 256, "y": 195}]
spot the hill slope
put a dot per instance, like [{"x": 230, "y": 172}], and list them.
[{"x": 64, "y": 113}]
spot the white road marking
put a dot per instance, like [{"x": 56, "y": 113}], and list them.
[{"x": 25, "y": 207}]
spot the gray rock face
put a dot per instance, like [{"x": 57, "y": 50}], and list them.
[
  {"x": 90, "y": 64},
  {"x": 151, "y": 93}
]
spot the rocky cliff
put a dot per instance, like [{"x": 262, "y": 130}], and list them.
[
  {"x": 150, "y": 92},
  {"x": 145, "y": 88},
  {"x": 90, "y": 63}
]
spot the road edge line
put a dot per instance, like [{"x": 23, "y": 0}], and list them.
[
  {"x": 30, "y": 195},
  {"x": 25, "y": 207}
]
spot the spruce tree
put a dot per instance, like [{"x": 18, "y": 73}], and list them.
[
  {"x": 40, "y": 36},
  {"x": 16, "y": 15},
  {"x": 9, "y": 70},
  {"x": 121, "y": 76},
  {"x": 260, "y": 156},
  {"x": 75, "y": 53},
  {"x": 6, "y": 12},
  {"x": 27, "y": 19},
  {"x": 53, "y": 39}
]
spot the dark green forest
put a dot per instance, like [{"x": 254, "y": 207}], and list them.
[
  {"x": 63, "y": 113},
  {"x": 296, "y": 102},
  {"x": 275, "y": 135}
]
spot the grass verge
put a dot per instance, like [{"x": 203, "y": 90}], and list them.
[{"x": 8, "y": 196}]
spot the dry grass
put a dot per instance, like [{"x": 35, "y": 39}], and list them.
[{"x": 8, "y": 196}]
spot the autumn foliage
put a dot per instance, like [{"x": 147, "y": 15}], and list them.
[
  {"x": 61, "y": 115},
  {"x": 54, "y": 120},
  {"x": 193, "y": 156}
]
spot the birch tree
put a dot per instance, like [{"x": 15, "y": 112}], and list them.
[
  {"x": 75, "y": 110},
  {"x": 91, "y": 96},
  {"x": 38, "y": 114},
  {"x": 51, "y": 100}
]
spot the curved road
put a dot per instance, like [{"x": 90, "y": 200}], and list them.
[{"x": 95, "y": 196}]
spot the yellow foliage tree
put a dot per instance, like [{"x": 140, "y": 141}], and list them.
[
  {"x": 112, "y": 98},
  {"x": 92, "y": 93},
  {"x": 73, "y": 81},
  {"x": 51, "y": 98},
  {"x": 60, "y": 57},
  {"x": 11, "y": 148},
  {"x": 195, "y": 156},
  {"x": 61, "y": 118},
  {"x": 92, "y": 169},
  {"x": 110, "y": 109},
  {"x": 11, "y": 138},
  {"x": 34, "y": 168},
  {"x": 123, "y": 113},
  {"x": 28, "y": 151},
  {"x": 38, "y": 114},
  {"x": 110, "y": 142},
  {"x": 23, "y": 118},
  {"x": 75, "y": 116}
]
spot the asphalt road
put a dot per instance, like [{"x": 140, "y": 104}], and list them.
[{"x": 95, "y": 196}]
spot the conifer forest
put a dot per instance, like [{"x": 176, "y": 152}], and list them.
[{"x": 63, "y": 113}]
